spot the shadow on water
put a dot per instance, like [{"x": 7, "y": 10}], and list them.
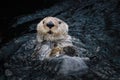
[{"x": 11, "y": 10}]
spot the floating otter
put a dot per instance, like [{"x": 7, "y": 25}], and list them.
[{"x": 53, "y": 38}]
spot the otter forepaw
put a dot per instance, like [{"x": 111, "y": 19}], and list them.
[{"x": 55, "y": 52}]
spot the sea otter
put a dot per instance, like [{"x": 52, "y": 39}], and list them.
[{"x": 53, "y": 38}]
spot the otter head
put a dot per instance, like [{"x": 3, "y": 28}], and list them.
[{"x": 51, "y": 29}]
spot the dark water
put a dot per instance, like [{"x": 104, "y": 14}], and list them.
[{"x": 11, "y": 10}]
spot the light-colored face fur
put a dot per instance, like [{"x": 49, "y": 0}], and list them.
[{"x": 57, "y": 32}]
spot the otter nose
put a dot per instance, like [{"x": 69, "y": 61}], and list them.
[{"x": 50, "y": 24}]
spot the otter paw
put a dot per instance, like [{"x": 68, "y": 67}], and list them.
[
  {"x": 55, "y": 52},
  {"x": 70, "y": 50}
]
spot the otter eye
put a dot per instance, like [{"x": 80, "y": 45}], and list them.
[
  {"x": 43, "y": 22},
  {"x": 59, "y": 22}
]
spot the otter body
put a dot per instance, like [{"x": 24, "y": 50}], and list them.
[{"x": 55, "y": 32}]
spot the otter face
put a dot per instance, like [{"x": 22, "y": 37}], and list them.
[{"x": 51, "y": 29}]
